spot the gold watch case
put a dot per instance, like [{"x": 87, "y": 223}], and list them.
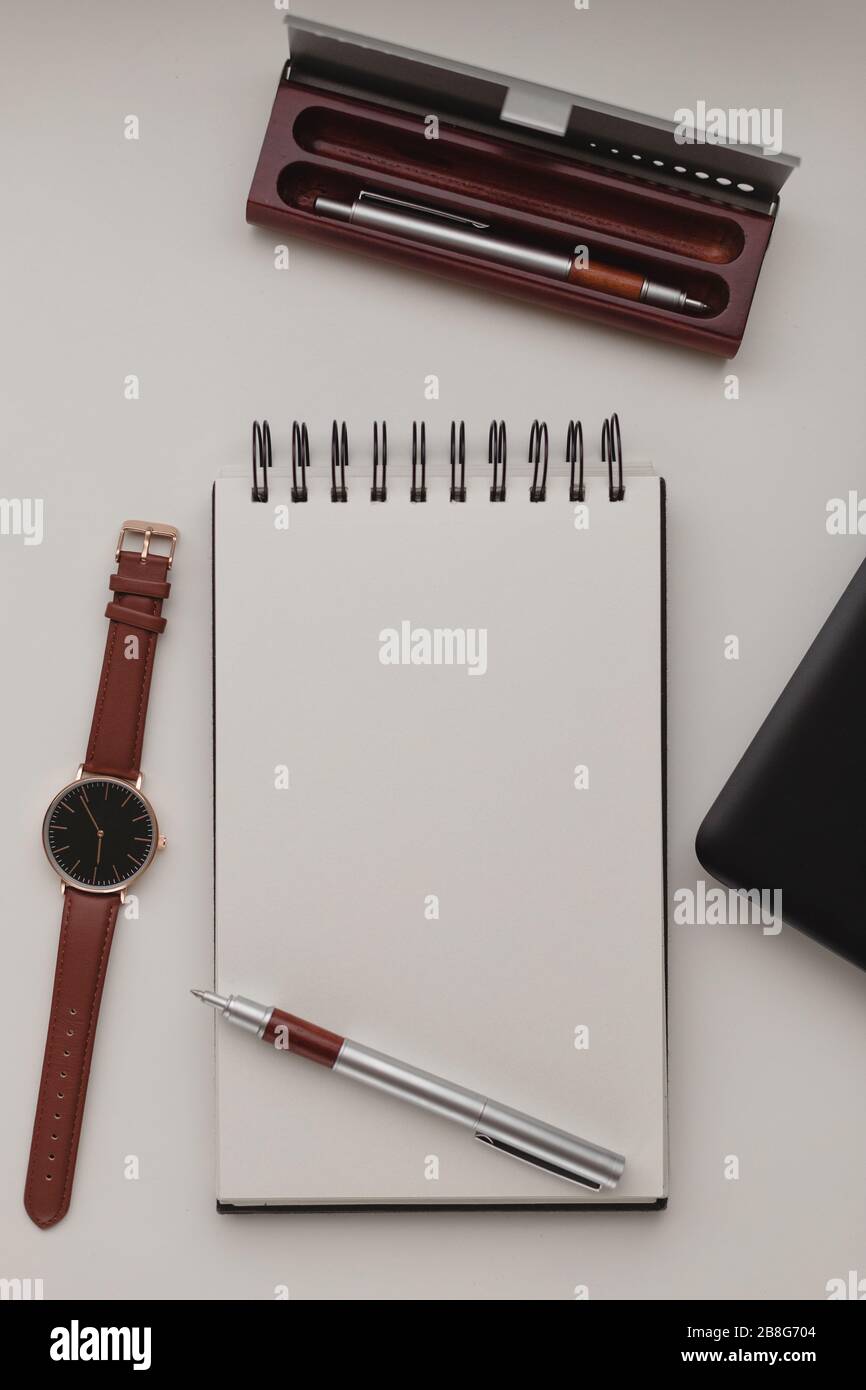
[{"x": 157, "y": 844}]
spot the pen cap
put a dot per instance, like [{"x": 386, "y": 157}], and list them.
[{"x": 545, "y": 1146}]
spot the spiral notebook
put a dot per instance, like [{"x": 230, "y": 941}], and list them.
[{"x": 439, "y": 779}]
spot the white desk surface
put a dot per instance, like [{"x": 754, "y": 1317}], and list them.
[{"x": 126, "y": 257}]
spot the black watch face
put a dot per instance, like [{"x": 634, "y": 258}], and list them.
[{"x": 99, "y": 833}]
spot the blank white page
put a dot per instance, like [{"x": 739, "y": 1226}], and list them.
[{"x": 432, "y": 882}]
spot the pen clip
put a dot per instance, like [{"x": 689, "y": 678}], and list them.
[
  {"x": 544, "y": 1146},
  {"x": 364, "y": 196},
  {"x": 535, "y": 1162}
]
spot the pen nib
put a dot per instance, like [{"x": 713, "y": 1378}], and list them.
[{"x": 216, "y": 1001}]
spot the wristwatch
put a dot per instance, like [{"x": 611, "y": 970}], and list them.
[{"x": 100, "y": 835}]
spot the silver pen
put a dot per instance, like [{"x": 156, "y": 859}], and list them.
[
  {"x": 447, "y": 229},
  {"x": 510, "y": 1131}
]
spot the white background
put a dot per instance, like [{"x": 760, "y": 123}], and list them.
[{"x": 133, "y": 257}]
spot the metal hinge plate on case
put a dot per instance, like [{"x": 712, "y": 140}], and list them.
[{"x": 537, "y": 108}]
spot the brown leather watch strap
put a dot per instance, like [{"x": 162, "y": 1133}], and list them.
[
  {"x": 82, "y": 959},
  {"x": 139, "y": 588}
]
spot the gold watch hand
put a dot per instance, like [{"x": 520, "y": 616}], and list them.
[
  {"x": 100, "y": 836},
  {"x": 88, "y": 810}
]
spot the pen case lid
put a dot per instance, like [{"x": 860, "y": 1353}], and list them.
[{"x": 741, "y": 175}]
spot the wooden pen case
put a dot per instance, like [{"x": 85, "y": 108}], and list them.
[{"x": 538, "y": 166}]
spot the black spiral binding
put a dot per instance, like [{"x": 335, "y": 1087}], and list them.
[
  {"x": 574, "y": 457},
  {"x": 339, "y": 458},
  {"x": 379, "y": 491},
  {"x": 458, "y": 455},
  {"x": 611, "y": 454},
  {"x": 418, "y": 493},
  {"x": 300, "y": 458},
  {"x": 497, "y": 455},
  {"x": 538, "y": 441},
  {"x": 262, "y": 458}
]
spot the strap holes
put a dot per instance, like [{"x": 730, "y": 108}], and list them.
[
  {"x": 70, "y": 1032},
  {"x": 73, "y": 1012},
  {"x": 57, "y": 1114},
  {"x": 48, "y": 1177},
  {"x": 60, "y": 1095},
  {"x": 66, "y": 1052},
  {"x": 51, "y": 1158},
  {"x": 54, "y": 1138}
]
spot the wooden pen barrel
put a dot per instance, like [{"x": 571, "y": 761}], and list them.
[
  {"x": 609, "y": 279},
  {"x": 285, "y": 1031}
]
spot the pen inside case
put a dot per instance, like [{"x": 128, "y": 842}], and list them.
[
  {"x": 562, "y": 257},
  {"x": 549, "y": 170}
]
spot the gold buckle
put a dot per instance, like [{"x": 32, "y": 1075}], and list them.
[{"x": 147, "y": 529}]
